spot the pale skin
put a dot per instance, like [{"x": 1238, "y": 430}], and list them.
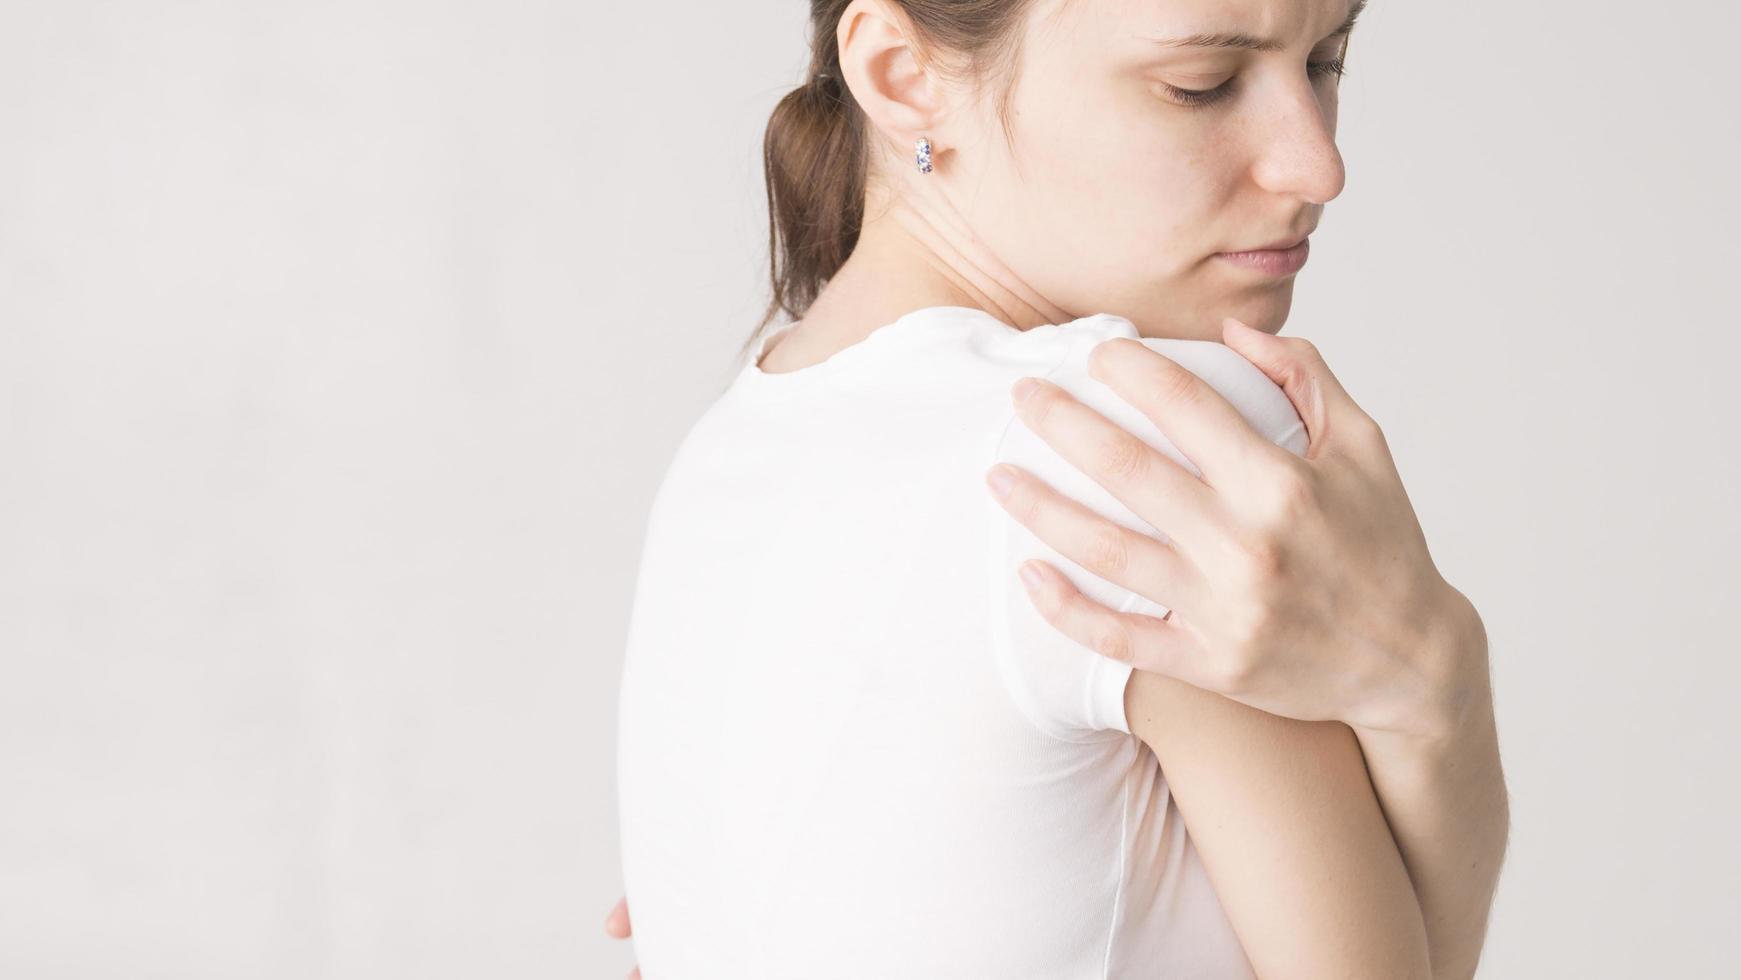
[{"x": 1319, "y": 696}]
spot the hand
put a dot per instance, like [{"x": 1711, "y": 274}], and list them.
[
  {"x": 1301, "y": 586},
  {"x": 617, "y": 926}
]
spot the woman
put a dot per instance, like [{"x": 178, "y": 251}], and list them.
[{"x": 1259, "y": 743}]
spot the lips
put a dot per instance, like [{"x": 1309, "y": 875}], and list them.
[{"x": 1275, "y": 262}]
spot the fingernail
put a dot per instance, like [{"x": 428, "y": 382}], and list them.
[
  {"x": 1000, "y": 481},
  {"x": 1024, "y": 388},
  {"x": 1030, "y": 576}
]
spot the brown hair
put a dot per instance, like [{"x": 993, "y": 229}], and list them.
[{"x": 816, "y": 154}]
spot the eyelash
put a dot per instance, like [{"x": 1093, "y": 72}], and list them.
[{"x": 1197, "y": 98}]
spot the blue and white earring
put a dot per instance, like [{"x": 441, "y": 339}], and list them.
[{"x": 922, "y": 154}]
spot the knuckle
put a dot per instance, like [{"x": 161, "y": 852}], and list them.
[
  {"x": 1123, "y": 458},
  {"x": 1112, "y": 640},
  {"x": 1370, "y": 432},
  {"x": 1263, "y": 557},
  {"x": 1291, "y": 498},
  {"x": 1106, "y": 552},
  {"x": 1300, "y": 368},
  {"x": 1181, "y": 386},
  {"x": 1304, "y": 349}
]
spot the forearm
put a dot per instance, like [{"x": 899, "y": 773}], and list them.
[{"x": 1446, "y": 804}]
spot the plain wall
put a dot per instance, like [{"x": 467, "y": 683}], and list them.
[{"x": 343, "y": 344}]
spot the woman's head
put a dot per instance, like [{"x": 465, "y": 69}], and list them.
[{"x": 1067, "y": 145}]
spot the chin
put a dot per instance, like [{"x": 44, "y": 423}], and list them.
[{"x": 1267, "y": 312}]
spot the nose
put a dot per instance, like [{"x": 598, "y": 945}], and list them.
[{"x": 1298, "y": 153}]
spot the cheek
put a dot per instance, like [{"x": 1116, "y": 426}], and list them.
[
  {"x": 1156, "y": 185},
  {"x": 1109, "y": 195}
]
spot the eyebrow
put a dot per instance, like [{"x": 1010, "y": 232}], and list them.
[{"x": 1247, "y": 42}]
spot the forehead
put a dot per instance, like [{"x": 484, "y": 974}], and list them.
[{"x": 1294, "y": 23}]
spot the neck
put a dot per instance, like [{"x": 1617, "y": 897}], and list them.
[{"x": 914, "y": 251}]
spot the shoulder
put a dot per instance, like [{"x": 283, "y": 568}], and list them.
[
  {"x": 1066, "y": 689},
  {"x": 1262, "y": 402}
]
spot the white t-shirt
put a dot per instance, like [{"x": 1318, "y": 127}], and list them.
[{"x": 849, "y": 746}]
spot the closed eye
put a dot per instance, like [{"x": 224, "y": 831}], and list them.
[{"x": 1196, "y": 98}]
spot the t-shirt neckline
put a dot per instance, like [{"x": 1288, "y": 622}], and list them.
[{"x": 871, "y": 344}]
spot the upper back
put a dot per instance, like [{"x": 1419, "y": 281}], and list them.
[{"x": 837, "y": 725}]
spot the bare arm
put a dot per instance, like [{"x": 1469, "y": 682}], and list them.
[
  {"x": 1444, "y": 798},
  {"x": 1290, "y": 831}
]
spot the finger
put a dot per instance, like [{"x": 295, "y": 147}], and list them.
[
  {"x": 1195, "y": 417},
  {"x": 1159, "y": 645},
  {"x": 1165, "y": 494},
  {"x": 617, "y": 922},
  {"x": 1135, "y": 560},
  {"x": 635, "y": 974},
  {"x": 1295, "y": 364}
]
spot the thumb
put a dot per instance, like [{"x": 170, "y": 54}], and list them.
[{"x": 1295, "y": 365}]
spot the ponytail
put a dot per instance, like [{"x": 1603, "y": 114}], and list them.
[{"x": 814, "y": 164}]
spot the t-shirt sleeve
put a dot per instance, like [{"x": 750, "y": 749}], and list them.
[{"x": 1067, "y": 689}]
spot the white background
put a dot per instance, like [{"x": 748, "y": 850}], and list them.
[{"x": 343, "y": 344}]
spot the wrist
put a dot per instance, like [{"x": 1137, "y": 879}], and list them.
[{"x": 1451, "y": 693}]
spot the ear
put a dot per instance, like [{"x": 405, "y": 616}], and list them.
[{"x": 887, "y": 78}]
